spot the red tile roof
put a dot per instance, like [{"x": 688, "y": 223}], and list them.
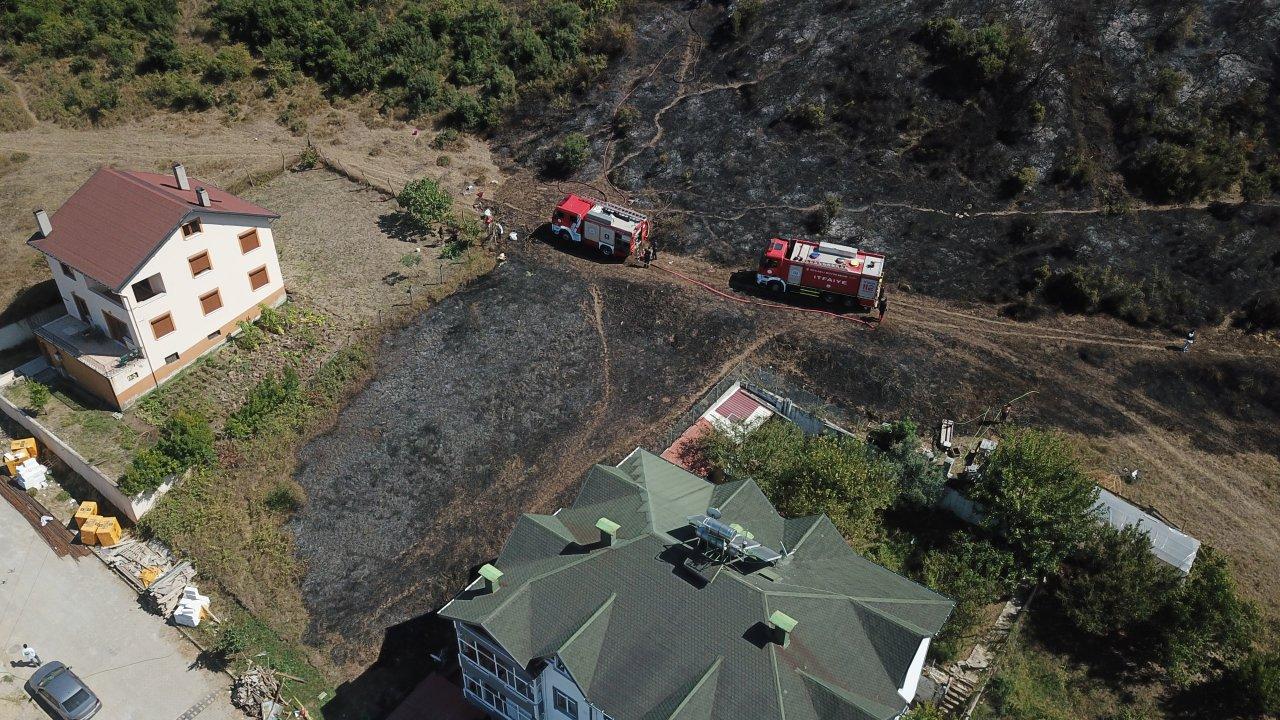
[{"x": 118, "y": 218}]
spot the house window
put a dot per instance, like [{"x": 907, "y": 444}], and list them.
[
  {"x": 82, "y": 308},
  {"x": 200, "y": 264},
  {"x": 565, "y": 704},
  {"x": 213, "y": 335},
  {"x": 171, "y": 359},
  {"x": 192, "y": 228},
  {"x": 249, "y": 241},
  {"x": 210, "y": 301},
  {"x": 66, "y": 270},
  {"x": 117, "y": 329},
  {"x": 162, "y": 325},
  {"x": 144, "y": 290},
  {"x": 258, "y": 278},
  {"x": 472, "y": 686}
]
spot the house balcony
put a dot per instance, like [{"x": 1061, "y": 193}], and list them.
[{"x": 89, "y": 346}]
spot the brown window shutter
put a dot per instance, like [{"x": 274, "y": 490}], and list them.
[
  {"x": 200, "y": 263},
  {"x": 210, "y": 301},
  {"x": 249, "y": 241},
  {"x": 162, "y": 325},
  {"x": 258, "y": 277}
]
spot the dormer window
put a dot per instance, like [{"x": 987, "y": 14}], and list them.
[
  {"x": 66, "y": 270},
  {"x": 191, "y": 228},
  {"x": 144, "y": 290}
]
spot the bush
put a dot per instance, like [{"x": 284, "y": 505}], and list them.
[
  {"x": 569, "y": 156},
  {"x": 807, "y": 116},
  {"x": 147, "y": 471},
  {"x": 1115, "y": 583},
  {"x": 1033, "y": 493},
  {"x": 1022, "y": 179},
  {"x": 1170, "y": 171},
  {"x": 1257, "y": 683},
  {"x": 308, "y": 160},
  {"x": 249, "y": 337},
  {"x": 285, "y": 497},
  {"x": 269, "y": 396},
  {"x": 231, "y": 62},
  {"x": 925, "y": 711},
  {"x": 426, "y": 203},
  {"x": 273, "y": 320},
  {"x": 186, "y": 440},
  {"x": 984, "y": 55},
  {"x": 38, "y": 396}
]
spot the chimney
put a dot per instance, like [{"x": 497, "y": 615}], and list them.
[
  {"x": 202, "y": 197},
  {"x": 42, "y": 222},
  {"x": 491, "y": 577},
  {"x": 783, "y": 625},
  {"x": 180, "y": 174},
  {"x": 608, "y": 531}
]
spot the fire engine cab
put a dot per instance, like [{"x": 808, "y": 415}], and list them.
[
  {"x": 826, "y": 270},
  {"x": 613, "y": 229}
]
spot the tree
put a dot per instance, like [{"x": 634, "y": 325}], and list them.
[
  {"x": 1257, "y": 683},
  {"x": 1033, "y": 493},
  {"x": 924, "y": 711},
  {"x": 807, "y": 475},
  {"x": 1115, "y": 582},
  {"x": 1206, "y": 626},
  {"x": 426, "y": 202},
  {"x": 38, "y": 397}
]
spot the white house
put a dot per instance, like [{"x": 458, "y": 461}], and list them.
[
  {"x": 660, "y": 595},
  {"x": 155, "y": 270}
]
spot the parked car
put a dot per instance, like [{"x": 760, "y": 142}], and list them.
[{"x": 62, "y": 694}]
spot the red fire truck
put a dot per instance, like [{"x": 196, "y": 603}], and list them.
[
  {"x": 612, "y": 229},
  {"x": 835, "y": 273}
]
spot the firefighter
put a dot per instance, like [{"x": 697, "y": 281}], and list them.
[
  {"x": 1191, "y": 340},
  {"x": 882, "y": 307},
  {"x": 647, "y": 254}
]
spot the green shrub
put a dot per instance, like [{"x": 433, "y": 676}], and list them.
[
  {"x": 177, "y": 91},
  {"x": 985, "y": 55},
  {"x": 249, "y": 337},
  {"x": 308, "y": 160},
  {"x": 231, "y": 62},
  {"x": 285, "y": 497},
  {"x": 445, "y": 139},
  {"x": 807, "y": 116},
  {"x": 744, "y": 16},
  {"x": 1206, "y": 626},
  {"x": 147, "y": 471},
  {"x": 269, "y": 396},
  {"x": 569, "y": 156},
  {"x": 411, "y": 259},
  {"x": 38, "y": 396},
  {"x": 443, "y": 161},
  {"x": 1171, "y": 171},
  {"x": 426, "y": 203},
  {"x": 273, "y": 320},
  {"x": 186, "y": 440},
  {"x": 625, "y": 119},
  {"x": 1257, "y": 683}
]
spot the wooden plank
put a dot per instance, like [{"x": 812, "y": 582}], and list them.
[{"x": 56, "y": 535}]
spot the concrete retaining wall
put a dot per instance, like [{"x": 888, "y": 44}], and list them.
[{"x": 133, "y": 508}]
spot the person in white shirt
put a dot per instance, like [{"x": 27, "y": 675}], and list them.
[{"x": 30, "y": 656}]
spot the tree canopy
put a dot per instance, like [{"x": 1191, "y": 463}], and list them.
[
  {"x": 1033, "y": 493},
  {"x": 1115, "y": 582}
]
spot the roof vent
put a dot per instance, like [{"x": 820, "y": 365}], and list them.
[
  {"x": 202, "y": 197},
  {"x": 492, "y": 576},
  {"x": 42, "y": 222},
  {"x": 608, "y": 531},
  {"x": 180, "y": 174},
  {"x": 783, "y": 625}
]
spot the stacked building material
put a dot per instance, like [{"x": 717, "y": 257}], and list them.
[{"x": 163, "y": 595}]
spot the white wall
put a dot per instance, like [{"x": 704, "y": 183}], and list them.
[
  {"x": 97, "y": 303},
  {"x": 181, "y": 298},
  {"x": 552, "y": 679},
  {"x": 908, "y": 689}
]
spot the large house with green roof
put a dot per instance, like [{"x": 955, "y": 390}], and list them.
[{"x": 660, "y": 596}]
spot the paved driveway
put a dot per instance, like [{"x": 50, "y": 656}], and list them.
[{"x": 79, "y": 612}]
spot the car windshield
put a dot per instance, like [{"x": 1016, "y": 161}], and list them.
[{"x": 77, "y": 701}]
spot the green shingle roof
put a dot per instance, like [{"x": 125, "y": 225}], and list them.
[{"x": 646, "y": 641}]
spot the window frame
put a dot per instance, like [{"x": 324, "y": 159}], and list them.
[
  {"x": 66, "y": 270},
  {"x": 214, "y": 293},
  {"x": 266, "y": 274},
  {"x": 108, "y": 319},
  {"x": 208, "y": 261},
  {"x": 173, "y": 327},
  {"x": 556, "y": 696},
  {"x": 250, "y": 233},
  {"x": 82, "y": 309},
  {"x": 194, "y": 222}
]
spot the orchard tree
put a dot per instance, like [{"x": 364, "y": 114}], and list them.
[
  {"x": 1033, "y": 493},
  {"x": 1115, "y": 582}
]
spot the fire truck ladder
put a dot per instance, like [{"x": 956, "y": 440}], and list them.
[{"x": 622, "y": 213}]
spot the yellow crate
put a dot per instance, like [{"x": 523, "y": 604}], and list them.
[
  {"x": 13, "y": 459},
  {"x": 89, "y": 531},
  {"x": 107, "y": 531},
  {"x": 28, "y": 444},
  {"x": 87, "y": 509}
]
